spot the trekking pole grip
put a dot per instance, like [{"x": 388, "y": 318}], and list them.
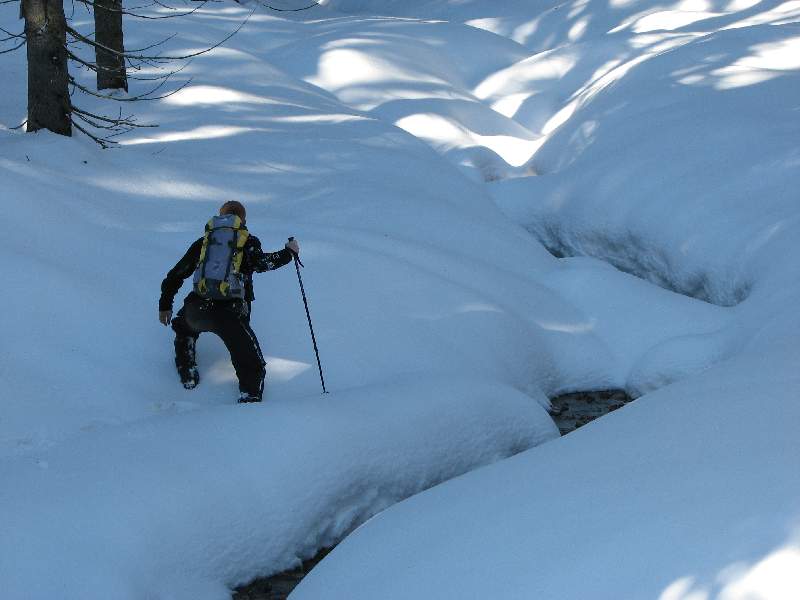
[{"x": 296, "y": 257}]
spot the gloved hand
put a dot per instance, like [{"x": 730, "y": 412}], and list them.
[
  {"x": 293, "y": 246},
  {"x": 165, "y": 316}
]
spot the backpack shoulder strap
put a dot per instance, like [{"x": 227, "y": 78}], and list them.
[
  {"x": 203, "y": 251},
  {"x": 240, "y": 235}
]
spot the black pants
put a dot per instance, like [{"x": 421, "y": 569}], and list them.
[{"x": 230, "y": 320}]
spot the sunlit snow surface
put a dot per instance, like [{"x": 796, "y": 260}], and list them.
[{"x": 414, "y": 148}]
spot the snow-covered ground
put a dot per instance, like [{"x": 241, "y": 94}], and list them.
[{"x": 422, "y": 152}]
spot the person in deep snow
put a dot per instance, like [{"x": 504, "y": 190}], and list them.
[{"x": 221, "y": 304}]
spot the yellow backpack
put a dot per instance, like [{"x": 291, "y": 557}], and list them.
[{"x": 218, "y": 276}]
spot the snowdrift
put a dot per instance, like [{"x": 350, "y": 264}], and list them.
[
  {"x": 424, "y": 153},
  {"x": 667, "y": 148},
  {"x": 180, "y": 506}
]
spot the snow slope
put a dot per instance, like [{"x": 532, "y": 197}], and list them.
[
  {"x": 668, "y": 148},
  {"x": 179, "y": 506},
  {"x": 385, "y": 140},
  {"x": 675, "y": 497},
  {"x": 118, "y": 478}
]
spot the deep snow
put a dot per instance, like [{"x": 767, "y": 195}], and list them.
[
  {"x": 179, "y": 505},
  {"x": 413, "y": 148}
]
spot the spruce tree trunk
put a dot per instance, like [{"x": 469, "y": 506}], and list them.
[
  {"x": 48, "y": 76},
  {"x": 108, "y": 33}
]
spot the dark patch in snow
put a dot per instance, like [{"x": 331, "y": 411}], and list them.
[
  {"x": 635, "y": 256},
  {"x": 279, "y": 586},
  {"x": 576, "y": 409}
]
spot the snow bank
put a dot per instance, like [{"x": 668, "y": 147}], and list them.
[
  {"x": 714, "y": 224},
  {"x": 655, "y": 337},
  {"x": 711, "y": 83},
  {"x": 378, "y": 245},
  {"x": 668, "y": 148},
  {"x": 178, "y": 506},
  {"x": 679, "y": 495},
  {"x": 121, "y": 480},
  {"x": 122, "y": 483},
  {"x": 419, "y": 76}
]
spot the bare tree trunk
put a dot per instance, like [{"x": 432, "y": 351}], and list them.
[
  {"x": 48, "y": 76},
  {"x": 108, "y": 34}
]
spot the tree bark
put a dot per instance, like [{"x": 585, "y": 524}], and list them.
[
  {"x": 108, "y": 33},
  {"x": 48, "y": 76}
]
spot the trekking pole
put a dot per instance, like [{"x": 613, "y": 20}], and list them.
[{"x": 297, "y": 265}]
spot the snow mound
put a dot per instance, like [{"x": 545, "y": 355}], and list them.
[
  {"x": 677, "y": 495},
  {"x": 177, "y": 504},
  {"x": 664, "y": 138},
  {"x": 687, "y": 206},
  {"x": 419, "y": 76},
  {"x": 668, "y": 149}
]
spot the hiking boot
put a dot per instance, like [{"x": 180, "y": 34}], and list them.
[
  {"x": 190, "y": 377},
  {"x": 245, "y": 398}
]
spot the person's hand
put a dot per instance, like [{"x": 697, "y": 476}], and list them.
[
  {"x": 293, "y": 246},
  {"x": 165, "y": 316}
]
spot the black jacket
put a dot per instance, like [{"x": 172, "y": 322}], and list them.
[{"x": 255, "y": 260}]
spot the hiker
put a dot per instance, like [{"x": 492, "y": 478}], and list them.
[{"x": 223, "y": 262}]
